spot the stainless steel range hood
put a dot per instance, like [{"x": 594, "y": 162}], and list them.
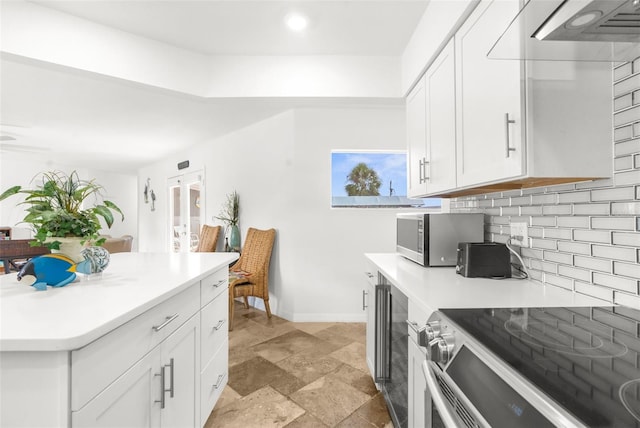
[{"x": 572, "y": 30}]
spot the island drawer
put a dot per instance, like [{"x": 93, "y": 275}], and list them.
[
  {"x": 213, "y": 380},
  {"x": 96, "y": 365},
  {"x": 213, "y": 285},
  {"x": 214, "y": 327}
]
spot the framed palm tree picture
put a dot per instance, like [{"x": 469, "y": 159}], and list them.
[{"x": 372, "y": 179}]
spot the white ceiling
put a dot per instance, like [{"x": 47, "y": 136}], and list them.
[
  {"x": 239, "y": 27},
  {"x": 112, "y": 124}
]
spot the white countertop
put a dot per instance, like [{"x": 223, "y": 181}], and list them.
[
  {"x": 441, "y": 287},
  {"x": 72, "y": 316}
]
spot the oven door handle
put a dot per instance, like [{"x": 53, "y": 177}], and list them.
[{"x": 446, "y": 413}]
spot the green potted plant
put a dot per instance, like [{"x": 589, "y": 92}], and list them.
[
  {"x": 230, "y": 214},
  {"x": 61, "y": 206}
]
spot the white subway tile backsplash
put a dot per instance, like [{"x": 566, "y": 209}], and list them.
[
  {"x": 615, "y": 223},
  {"x": 623, "y": 102},
  {"x": 628, "y": 177},
  {"x": 575, "y": 273},
  {"x": 627, "y": 85},
  {"x": 621, "y": 134},
  {"x": 558, "y": 281},
  {"x": 598, "y": 292},
  {"x": 531, "y": 210},
  {"x": 613, "y": 194},
  {"x": 592, "y": 209},
  {"x": 626, "y": 162},
  {"x": 556, "y": 210},
  {"x": 521, "y": 200},
  {"x": 615, "y": 253},
  {"x": 573, "y": 221},
  {"x": 623, "y": 71},
  {"x": 564, "y": 198},
  {"x": 543, "y": 266},
  {"x": 627, "y": 269},
  {"x": 625, "y": 208},
  {"x": 536, "y": 232},
  {"x": 553, "y": 256},
  {"x": 543, "y": 221},
  {"x": 593, "y": 263},
  {"x": 511, "y": 211},
  {"x": 636, "y": 129},
  {"x": 600, "y": 236},
  {"x": 616, "y": 282},
  {"x": 545, "y": 244},
  {"x": 631, "y": 300},
  {"x": 531, "y": 253},
  {"x": 594, "y": 184},
  {"x": 623, "y": 238},
  {"x": 544, "y": 199},
  {"x": 574, "y": 247},
  {"x": 557, "y": 233}
]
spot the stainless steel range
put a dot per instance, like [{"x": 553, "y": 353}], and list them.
[{"x": 535, "y": 367}]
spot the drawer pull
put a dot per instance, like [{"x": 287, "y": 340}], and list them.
[
  {"x": 219, "y": 283},
  {"x": 220, "y": 324},
  {"x": 219, "y": 381},
  {"x": 165, "y": 323}
]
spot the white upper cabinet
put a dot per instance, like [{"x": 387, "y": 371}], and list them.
[
  {"x": 431, "y": 128},
  {"x": 489, "y": 99},
  {"x": 513, "y": 123},
  {"x": 416, "y": 140},
  {"x": 440, "y": 90}
]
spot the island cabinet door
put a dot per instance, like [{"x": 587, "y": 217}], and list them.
[
  {"x": 160, "y": 390},
  {"x": 131, "y": 401},
  {"x": 181, "y": 364}
]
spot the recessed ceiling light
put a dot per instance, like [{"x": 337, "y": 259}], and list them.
[{"x": 296, "y": 22}]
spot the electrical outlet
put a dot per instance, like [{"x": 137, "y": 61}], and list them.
[{"x": 519, "y": 234}]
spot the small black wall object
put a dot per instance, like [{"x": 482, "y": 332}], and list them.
[{"x": 183, "y": 164}]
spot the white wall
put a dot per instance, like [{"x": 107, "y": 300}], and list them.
[
  {"x": 280, "y": 167},
  {"x": 21, "y": 168}
]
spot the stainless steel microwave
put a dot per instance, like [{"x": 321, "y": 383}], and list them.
[{"x": 431, "y": 239}]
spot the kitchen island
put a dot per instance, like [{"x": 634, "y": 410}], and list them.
[{"x": 103, "y": 352}]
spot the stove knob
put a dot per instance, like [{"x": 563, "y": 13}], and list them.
[
  {"x": 428, "y": 333},
  {"x": 441, "y": 348}
]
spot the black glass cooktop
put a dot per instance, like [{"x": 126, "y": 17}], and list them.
[{"x": 586, "y": 359}]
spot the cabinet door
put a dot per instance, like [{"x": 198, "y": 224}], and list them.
[
  {"x": 416, "y": 140},
  {"x": 440, "y": 170},
  {"x": 489, "y": 101},
  {"x": 180, "y": 358},
  {"x": 417, "y": 387},
  {"x": 131, "y": 401},
  {"x": 369, "y": 305}
]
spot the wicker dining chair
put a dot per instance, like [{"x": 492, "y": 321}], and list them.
[
  {"x": 208, "y": 241},
  {"x": 249, "y": 276}
]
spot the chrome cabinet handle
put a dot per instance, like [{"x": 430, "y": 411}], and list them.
[
  {"x": 220, "y": 324},
  {"x": 508, "y": 122},
  {"x": 446, "y": 414},
  {"x": 219, "y": 283},
  {"x": 162, "y": 390},
  {"x": 364, "y": 304},
  {"x": 165, "y": 323},
  {"x": 170, "y": 390},
  {"x": 424, "y": 170},
  {"x": 219, "y": 381}
]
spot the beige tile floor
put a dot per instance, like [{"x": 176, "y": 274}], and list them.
[{"x": 285, "y": 374}]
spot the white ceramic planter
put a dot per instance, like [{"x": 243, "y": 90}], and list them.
[{"x": 70, "y": 247}]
